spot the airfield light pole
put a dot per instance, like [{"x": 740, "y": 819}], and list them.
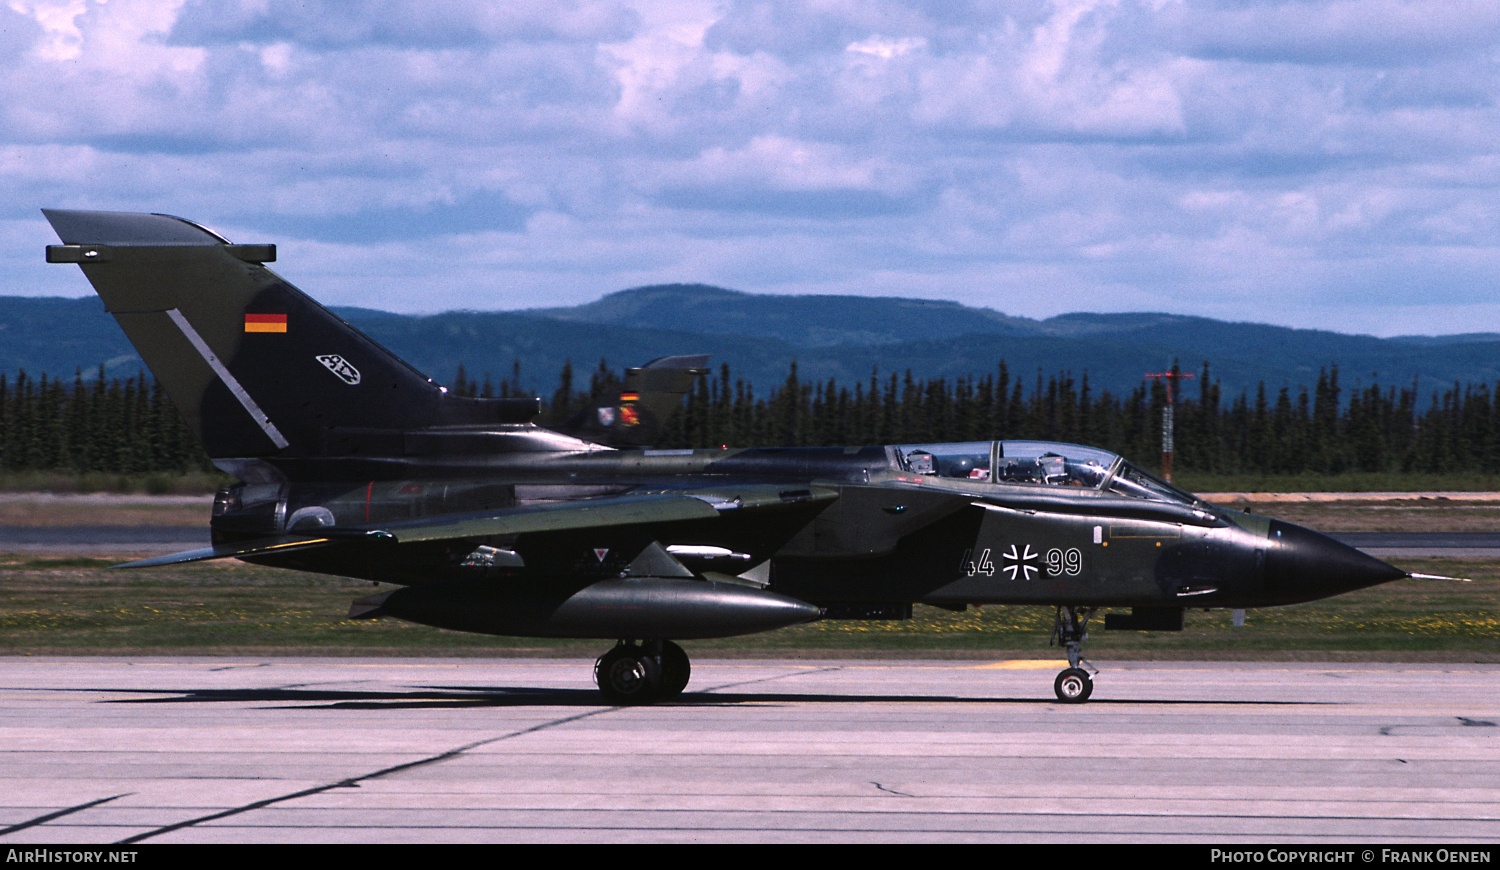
[{"x": 1167, "y": 413}]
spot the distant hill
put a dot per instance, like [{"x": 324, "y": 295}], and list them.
[
  {"x": 946, "y": 339},
  {"x": 842, "y": 337},
  {"x": 57, "y": 336},
  {"x": 806, "y": 321}
]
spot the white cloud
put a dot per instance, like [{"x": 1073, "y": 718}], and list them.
[
  {"x": 885, "y": 49},
  {"x": 62, "y": 39},
  {"x": 1263, "y": 160}
]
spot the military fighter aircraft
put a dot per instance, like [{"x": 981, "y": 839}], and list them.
[{"x": 350, "y": 462}]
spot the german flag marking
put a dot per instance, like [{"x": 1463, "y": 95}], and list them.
[{"x": 265, "y": 323}]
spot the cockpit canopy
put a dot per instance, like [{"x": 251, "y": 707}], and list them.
[{"x": 1037, "y": 463}]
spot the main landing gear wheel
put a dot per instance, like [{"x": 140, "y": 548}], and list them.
[
  {"x": 1073, "y": 686},
  {"x": 656, "y": 670},
  {"x": 627, "y": 675},
  {"x": 676, "y": 670}
]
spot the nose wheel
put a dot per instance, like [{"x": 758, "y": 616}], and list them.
[{"x": 1074, "y": 685}]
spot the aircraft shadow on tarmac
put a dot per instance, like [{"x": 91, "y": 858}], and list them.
[{"x": 435, "y": 697}]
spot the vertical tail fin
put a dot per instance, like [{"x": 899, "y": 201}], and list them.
[{"x": 256, "y": 367}]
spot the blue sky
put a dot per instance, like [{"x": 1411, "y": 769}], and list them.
[{"x": 1313, "y": 163}]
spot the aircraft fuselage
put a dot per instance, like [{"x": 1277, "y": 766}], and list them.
[{"x": 883, "y": 536}]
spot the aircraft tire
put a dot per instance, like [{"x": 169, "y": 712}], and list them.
[
  {"x": 676, "y": 670},
  {"x": 1073, "y": 686},
  {"x": 628, "y": 676}
]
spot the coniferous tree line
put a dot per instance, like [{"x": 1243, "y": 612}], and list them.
[
  {"x": 111, "y": 426},
  {"x": 1319, "y": 430},
  {"x": 128, "y": 426}
]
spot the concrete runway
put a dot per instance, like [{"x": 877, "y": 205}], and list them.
[{"x": 105, "y": 750}]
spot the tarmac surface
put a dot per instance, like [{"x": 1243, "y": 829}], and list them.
[
  {"x": 161, "y": 750},
  {"x": 1423, "y": 545},
  {"x": 102, "y": 539}
]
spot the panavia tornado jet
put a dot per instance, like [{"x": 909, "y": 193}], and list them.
[{"x": 349, "y": 462}]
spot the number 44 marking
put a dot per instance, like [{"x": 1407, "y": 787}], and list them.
[{"x": 983, "y": 566}]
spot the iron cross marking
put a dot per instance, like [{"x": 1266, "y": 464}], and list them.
[{"x": 1019, "y": 563}]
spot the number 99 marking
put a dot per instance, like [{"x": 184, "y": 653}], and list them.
[{"x": 1068, "y": 562}]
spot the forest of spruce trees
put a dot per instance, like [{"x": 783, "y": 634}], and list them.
[
  {"x": 129, "y": 427},
  {"x": 1321, "y": 430}
]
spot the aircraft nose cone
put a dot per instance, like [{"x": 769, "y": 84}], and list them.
[{"x": 1302, "y": 565}]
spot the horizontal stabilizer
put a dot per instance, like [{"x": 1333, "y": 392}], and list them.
[{"x": 259, "y": 547}]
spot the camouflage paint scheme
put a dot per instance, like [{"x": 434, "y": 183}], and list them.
[{"x": 352, "y": 463}]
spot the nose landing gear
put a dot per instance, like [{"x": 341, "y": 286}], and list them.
[{"x": 1074, "y": 685}]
